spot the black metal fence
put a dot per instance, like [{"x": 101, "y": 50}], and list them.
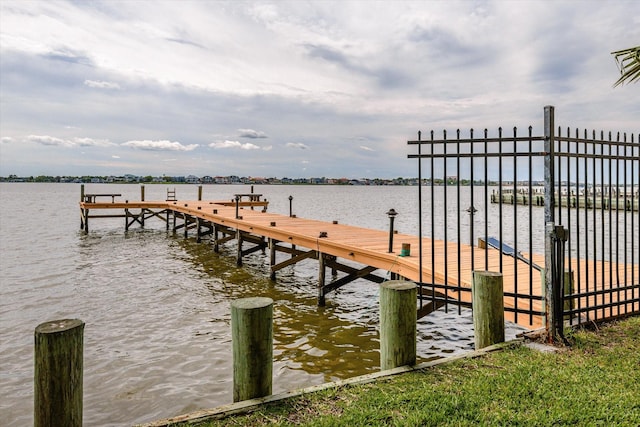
[{"x": 521, "y": 196}]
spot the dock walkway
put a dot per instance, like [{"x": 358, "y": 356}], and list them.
[{"x": 365, "y": 250}]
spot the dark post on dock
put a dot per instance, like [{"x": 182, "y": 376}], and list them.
[
  {"x": 252, "y": 339},
  {"x": 58, "y": 373},
  {"x": 488, "y": 308},
  {"x": 398, "y": 318}
]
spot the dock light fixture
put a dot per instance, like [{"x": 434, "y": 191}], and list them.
[
  {"x": 392, "y": 215},
  {"x": 291, "y": 206}
]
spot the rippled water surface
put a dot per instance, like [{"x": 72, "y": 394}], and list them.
[{"x": 157, "y": 339}]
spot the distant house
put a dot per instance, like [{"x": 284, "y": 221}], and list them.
[
  {"x": 192, "y": 179},
  {"x": 207, "y": 179}
]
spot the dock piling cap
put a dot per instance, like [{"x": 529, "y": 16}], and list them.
[
  {"x": 399, "y": 285},
  {"x": 251, "y": 303}
]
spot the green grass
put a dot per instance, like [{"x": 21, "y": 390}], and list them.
[{"x": 595, "y": 382}]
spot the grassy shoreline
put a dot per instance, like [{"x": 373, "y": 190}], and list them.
[{"x": 596, "y": 381}]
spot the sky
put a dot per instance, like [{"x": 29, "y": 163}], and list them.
[{"x": 295, "y": 89}]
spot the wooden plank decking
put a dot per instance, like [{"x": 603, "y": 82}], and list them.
[{"x": 370, "y": 247}]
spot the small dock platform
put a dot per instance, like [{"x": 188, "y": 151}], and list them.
[{"x": 355, "y": 252}]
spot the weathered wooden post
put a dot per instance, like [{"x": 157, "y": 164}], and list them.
[
  {"x": 568, "y": 290},
  {"x": 199, "y": 192},
  {"x": 252, "y": 339},
  {"x": 58, "y": 373},
  {"x": 142, "y": 209},
  {"x": 488, "y": 308},
  {"x": 398, "y": 318}
]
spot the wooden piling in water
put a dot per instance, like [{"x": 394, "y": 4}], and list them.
[
  {"x": 252, "y": 339},
  {"x": 488, "y": 308},
  {"x": 58, "y": 373},
  {"x": 398, "y": 318}
]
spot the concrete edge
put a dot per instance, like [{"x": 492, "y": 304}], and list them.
[{"x": 247, "y": 406}]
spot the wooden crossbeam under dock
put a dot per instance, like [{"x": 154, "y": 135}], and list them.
[{"x": 328, "y": 241}]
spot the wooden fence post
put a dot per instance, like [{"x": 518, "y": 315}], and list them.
[
  {"x": 252, "y": 339},
  {"x": 569, "y": 304},
  {"x": 58, "y": 373},
  {"x": 488, "y": 308},
  {"x": 398, "y": 318}
]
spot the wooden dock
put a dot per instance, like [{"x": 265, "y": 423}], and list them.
[{"x": 358, "y": 252}]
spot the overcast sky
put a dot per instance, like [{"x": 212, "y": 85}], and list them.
[{"x": 294, "y": 89}]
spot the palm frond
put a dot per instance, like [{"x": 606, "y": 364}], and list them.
[{"x": 628, "y": 61}]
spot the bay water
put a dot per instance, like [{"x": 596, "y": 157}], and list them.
[{"x": 157, "y": 340}]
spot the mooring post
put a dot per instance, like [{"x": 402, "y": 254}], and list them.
[
  {"x": 252, "y": 340},
  {"x": 58, "y": 373},
  {"x": 142, "y": 193},
  {"x": 398, "y": 318},
  {"x": 199, "y": 192},
  {"x": 488, "y": 308}
]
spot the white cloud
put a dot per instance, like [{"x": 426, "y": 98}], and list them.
[
  {"x": 250, "y": 133},
  {"x": 115, "y": 157},
  {"x": 90, "y": 142},
  {"x": 6, "y": 140},
  {"x": 298, "y": 145},
  {"x": 50, "y": 140},
  {"x": 73, "y": 142},
  {"x": 365, "y": 148},
  {"x": 234, "y": 144},
  {"x": 162, "y": 145},
  {"x": 101, "y": 84}
]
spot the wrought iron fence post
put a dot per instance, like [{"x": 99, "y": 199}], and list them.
[{"x": 549, "y": 218}]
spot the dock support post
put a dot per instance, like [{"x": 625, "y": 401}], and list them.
[
  {"x": 168, "y": 213},
  {"x": 398, "y": 318},
  {"x": 142, "y": 193},
  {"x": 199, "y": 192},
  {"x": 58, "y": 373},
  {"x": 252, "y": 340},
  {"x": 186, "y": 226},
  {"x": 239, "y": 254},
  {"x": 126, "y": 219},
  {"x": 85, "y": 216},
  {"x": 216, "y": 244},
  {"x": 488, "y": 308},
  {"x": 272, "y": 256},
  {"x": 321, "y": 279},
  {"x": 198, "y": 230}
]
